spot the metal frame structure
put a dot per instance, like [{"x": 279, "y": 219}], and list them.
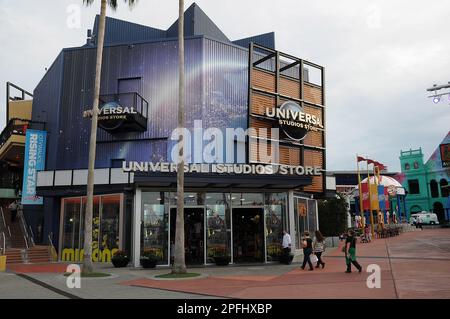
[
  {"x": 297, "y": 62},
  {"x": 24, "y": 93}
]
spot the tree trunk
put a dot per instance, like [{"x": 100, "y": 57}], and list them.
[
  {"x": 87, "y": 262},
  {"x": 179, "y": 265}
]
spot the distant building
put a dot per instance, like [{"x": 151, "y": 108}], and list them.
[{"x": 427, "y": 183}]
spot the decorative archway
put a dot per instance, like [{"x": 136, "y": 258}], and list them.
[
  {"x": 444, "y": 187},
  {"x": 434, "y": 189}
]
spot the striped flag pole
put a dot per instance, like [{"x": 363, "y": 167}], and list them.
[
  {"x": 361, "y": 209},
  {"x": 370, "y": 201}
]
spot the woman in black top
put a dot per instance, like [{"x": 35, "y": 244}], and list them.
[{"x": 307, "y": 250}]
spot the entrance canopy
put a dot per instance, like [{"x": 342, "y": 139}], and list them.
[{"x": 205, "y": 180}]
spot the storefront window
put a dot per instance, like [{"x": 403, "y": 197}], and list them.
[
  {"x": 109, "y": 235},
  {"x": 190, "y": 199},
  {"x": 247, "y": 199},
  {"x": 276, "y": 220},
  {"x": 105, "y": 228},
  {"x": 218, "y": 231},
  {"x": 301, "y": 221},
  {"x": 155, "y": 225},
  {"x": 71, "y": 226}
]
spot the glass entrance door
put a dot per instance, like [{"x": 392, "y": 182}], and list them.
[
  {"x": 248, "y": 235},
  {"x": 194, "y": 234}
]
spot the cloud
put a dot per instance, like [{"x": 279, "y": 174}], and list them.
[{"x": 380, "y": 56}]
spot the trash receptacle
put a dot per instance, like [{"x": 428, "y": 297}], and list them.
[{"x": 2, "y": 263}]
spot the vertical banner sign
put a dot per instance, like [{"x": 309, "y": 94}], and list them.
[
  {"x": 35, "y": 146},
  {"x": 365, "y": 196},
  {"x": 381, "y": 198},
  {"x": 375, "y": 204},
  {"x": 386, "y": 198}
]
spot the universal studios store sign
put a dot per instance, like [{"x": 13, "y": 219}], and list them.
[
  {"x": 239, "y": 169},
  {"x": 294, "y": 122}
]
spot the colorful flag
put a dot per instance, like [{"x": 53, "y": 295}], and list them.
[
  {"x": 381, "y": 198},
  {"x": 365, "y": 196},
  {"x": 374, "y": 203},
  {"x": 386, "y": 198}
]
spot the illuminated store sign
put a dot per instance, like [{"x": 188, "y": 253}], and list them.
[
  {"x": 115, "y": 117},
  {"x": 260, "y": 169},
  {"x": 294, "y": 122}
]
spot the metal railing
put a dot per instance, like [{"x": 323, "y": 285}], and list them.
[
  {"x": 29, "y": 241},
  {"x": 3, "y": 218},
  {"x": 54, "y": 254},
  {"x": 131, "y": 99},
  {"x": 3, "y": 250},
  {"x": 18, "y": 126}
]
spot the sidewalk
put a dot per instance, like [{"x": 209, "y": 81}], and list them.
[{"x": 413, "y": 265}]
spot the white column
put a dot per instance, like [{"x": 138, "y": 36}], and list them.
[
  {"x": 137, "y": 228},
  {"x": 291, "y": 216}
]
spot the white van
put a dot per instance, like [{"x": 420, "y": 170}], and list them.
[{"x": 426, "y": 217}]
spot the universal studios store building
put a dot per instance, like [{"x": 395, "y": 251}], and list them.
[{"x": 238, "y": 204}]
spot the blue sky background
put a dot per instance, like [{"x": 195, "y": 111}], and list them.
[{"x": 380, "y": 56}]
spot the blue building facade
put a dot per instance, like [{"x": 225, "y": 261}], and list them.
[{"x": 135, "y": 211}]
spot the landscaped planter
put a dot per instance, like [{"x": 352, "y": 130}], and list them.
[
  {"x": 222, "y": 260},
  {"x": 148, "y": 262},
  {"x": 120, "y": 262}
]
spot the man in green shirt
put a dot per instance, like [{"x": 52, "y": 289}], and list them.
[{"x": 350, "y": 252}]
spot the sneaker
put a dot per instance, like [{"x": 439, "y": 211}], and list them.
[
  {"x": 310, "y": 269},
  {"x": 323, "y": 265},
  {"x": 348, "y": 271},
  {"x": 360, "y": 269},
  {"x": 303, "y": 268}
]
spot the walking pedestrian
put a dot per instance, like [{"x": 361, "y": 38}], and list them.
[
  {"x": 419, "y": 222},
  {"x": 350, "y": 252},
  {"x": 307, "y": 250},
  {"x": 319, "y": 248},
  {"x": 13, "y": 207},
  {"x": 286, "y": 246}
]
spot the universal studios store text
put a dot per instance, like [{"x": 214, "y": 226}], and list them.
[{"x": 254, "y": 147}]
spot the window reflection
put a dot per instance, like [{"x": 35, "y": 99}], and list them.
[
  {"x": 275, "y": 215},
  {"x": 154, "y": 231}
]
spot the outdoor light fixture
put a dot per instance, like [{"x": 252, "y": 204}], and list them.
[{"x": 436, "y": 99}]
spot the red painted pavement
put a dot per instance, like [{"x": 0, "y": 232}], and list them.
[{"x": 410, "y": 277}]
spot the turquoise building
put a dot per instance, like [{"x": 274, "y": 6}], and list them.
[{"x": 427, "y": 183}]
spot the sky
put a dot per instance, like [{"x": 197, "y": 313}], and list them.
[{"x": 380, "y": 56}]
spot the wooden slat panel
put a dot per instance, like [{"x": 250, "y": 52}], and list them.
[
  {"x": 314, "y": 139},
  {"x": 313, "y": 158},
  {"x": 314, "y": 111},
  {"x": 289, "y": 155},
  {"x": 260, "y": 102},
  {"x": 259, "y": 126},
  {"x": 316, "y": 186},
  {"x": 312, "y": 94},
  {"x": 255, "y": 146},
  {"x": 289, "y": 87},
  {"x": 263, "y": 80}
]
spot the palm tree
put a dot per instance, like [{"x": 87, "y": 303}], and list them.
[
  {"x": 87, "y": 263},
  {"x": 179, "y": 265}
]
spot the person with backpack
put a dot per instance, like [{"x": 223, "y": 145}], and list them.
[
  {"x": 319, "y": 248},
  {"x": 307, "y": 250}
]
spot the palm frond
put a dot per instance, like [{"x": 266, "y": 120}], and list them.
[{"x": 112, "y": 3}]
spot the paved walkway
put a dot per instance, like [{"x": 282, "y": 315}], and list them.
[{"x": 413, "y": 265}]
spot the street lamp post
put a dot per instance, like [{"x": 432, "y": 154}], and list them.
[{"x": 437, "y": 97}]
